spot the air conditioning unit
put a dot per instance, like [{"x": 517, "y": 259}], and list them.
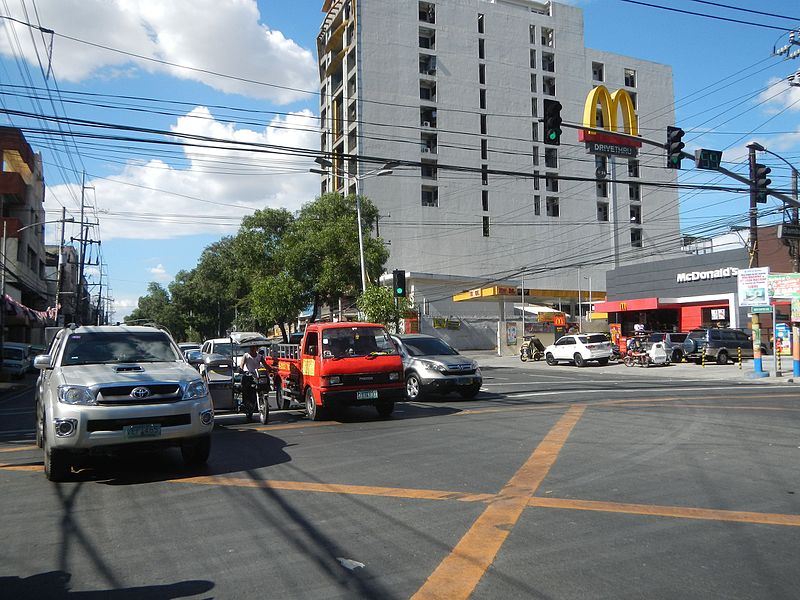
[
  {"x": 426, "y": 123},
  {"x": 426, "y": 149}
]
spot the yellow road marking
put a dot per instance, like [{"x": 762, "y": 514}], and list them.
[
  {"x": 18, "y": 448},
  {"x": 680, "y": 512},
  {"x": 335, "y": 488},
  {"x": 22, "y": 467},
  {"x": 459, "y": 573},
  {"x": 278, "y": 426}
]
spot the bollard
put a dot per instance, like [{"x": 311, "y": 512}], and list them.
[
  {"x": 778, "y": 370},
  {"x": 739, "y": 352},
  {"x": 703, "y": 359}
]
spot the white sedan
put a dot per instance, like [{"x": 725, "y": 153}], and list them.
[{"x": 579, "y": 349}]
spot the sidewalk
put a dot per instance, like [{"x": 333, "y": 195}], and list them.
[{"x": 711, "y": 371}]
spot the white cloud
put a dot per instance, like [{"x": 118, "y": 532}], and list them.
[
  {"x": 223, "y": 37},
  {"x": 779, "y": 95},
  {"x": 154, "y": 200},
  {"x": 124, "y": 306},
  {"x": 159, "y": 273}
]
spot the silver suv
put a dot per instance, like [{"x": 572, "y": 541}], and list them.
[
  {"x": 431, "y": 365},
  {"x": 102, "y": 389}
]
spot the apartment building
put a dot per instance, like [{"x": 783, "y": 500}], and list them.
[{"x": 454, "y": 91}]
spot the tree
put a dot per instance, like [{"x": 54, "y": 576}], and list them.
[
  {"x": 320, "y": 249},
  {"x": 277, "y": 299},
  {"x": 379, "y": 306},
  {"x": 156, "y": 307}
]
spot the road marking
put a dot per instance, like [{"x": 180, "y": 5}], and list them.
[
  {"x": 335, "y": 488},
  {"x": 680, "y": 512},
  {"x": 22, "y": 467},
  {"x": 18, "y": 448},
  {"x": 459, "y": 573},
  {"x": 709, "y": 407},
  {"x": 278, "y": 426}
]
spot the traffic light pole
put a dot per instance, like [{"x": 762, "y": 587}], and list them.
[{"x": 755, "y": 326}]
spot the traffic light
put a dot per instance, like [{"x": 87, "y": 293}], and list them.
[
  {"x": 552, "y": 122},
  {"x": 761, "y": 181},
  {"x": 399, "y": 283},
  {"x": 674, "y": 147}
]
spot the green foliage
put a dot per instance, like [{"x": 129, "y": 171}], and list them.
[
  {"x": 379, "y": 306},
  {"x": 157, "y": 307}
]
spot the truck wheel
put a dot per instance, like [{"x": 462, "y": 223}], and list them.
[
  {"x": 385, "y": 409},
  {"x": 281, "y": 401},
  {"x": 195, "y": 453},
  {"x": 313, "y": 412},
  {"x": 414, "y": 387},
  {"x": 56, "y": 462},
  {"x": 263, "y": 408}
]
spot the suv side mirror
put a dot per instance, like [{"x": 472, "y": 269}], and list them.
[{"x": 42, "y": 361}]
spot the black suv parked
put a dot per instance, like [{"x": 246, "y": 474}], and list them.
[{"x": 718, "y": 344}]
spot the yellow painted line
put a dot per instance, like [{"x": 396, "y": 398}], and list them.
[
  {"x": 22, "y": 467},
  {"x": 278, "y": 426},
  {"x": 459, "y": 573},
  {"x": 706, "y": 514},
  {"x": 335, "y": 488},
  {"x": 18, "y": 448}
]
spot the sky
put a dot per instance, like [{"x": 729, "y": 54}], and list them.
[{"x": 251, "y": 78}]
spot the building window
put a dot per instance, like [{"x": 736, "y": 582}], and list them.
[
  {"x": 636, "y": 238},
  {"x": 630, "y": 77},
  {"x": 602, "y": 189},
  {"x": 551, "y": 206},
  {"x": 483, "y": 124},
  {"x": 548, "y": 62},
  {"x": 427, "y": 64},
  {"x": 549, "y": 86},
  {"x": 533, "y": 58},
  {"x": 427, "y": 91},
  {"x": 598, "y": 71},
  {"x": 482, "y": 74},
  {"x": 427, "y": 38},
  {"x": 533, "y": 83},
  {"x": 534, "y": 107},
  {"x": 635, "y": 192},
  {"x": 532, "y": 30},
  {"x": 485, "y": 174},
  {"x": 484, "y": 150},
  {"x": 427, "y": 117},
  {"x": 551, "y": 158},
  {"x": 485, "y": 226},
  {"x": 428, "y": 141},
  {"x": 548, "y": 37},
  {"x": 634, "y": 99},
  {"x": 430, "y": 196},
  {"x": 633, "y": 167},
  {"x": 636, "y": 214},
  {"x": 537, "y": 206},
  {"x": 481, "y": 48},
  {"x": 535, "y": 153},
  {"x": 427, "y": 12},
  {"x": 429, "y": 170},
  {"x": 551, "y": 182},
  {"x": 485, "y": 199},
  {"x": 602, "y": 211},
  {"x": 535, "y": 131},
  {"x": 482, "y": 95},
  {"x": 480, "y": 23},
  {"x": 536, "y": 177}
]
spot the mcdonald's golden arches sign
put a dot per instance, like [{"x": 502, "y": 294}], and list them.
[{"x": 611, "y": 107}]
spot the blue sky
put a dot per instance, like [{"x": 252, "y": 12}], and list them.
[{"x": 158, "y": 207}]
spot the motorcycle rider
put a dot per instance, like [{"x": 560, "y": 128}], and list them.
[{"x": 249, "y": 364}]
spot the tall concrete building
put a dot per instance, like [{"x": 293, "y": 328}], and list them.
[{"x": 454, "y": 90}]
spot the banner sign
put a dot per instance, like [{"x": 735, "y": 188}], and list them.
[
  {"x": 511, "y": 333},
  {"x": 753, "y": 286},
  {"x": 784, "y": 285}
]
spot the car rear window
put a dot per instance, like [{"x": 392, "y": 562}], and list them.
[
  {"x": 677, "y": 337},
  {"x": 596, "y": 338},
  {"x": 697, "y": 335},
  {"x": 656, "y": 337}
]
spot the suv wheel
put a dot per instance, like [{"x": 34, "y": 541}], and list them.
[
  {"x": 579, "y": 361},
  {"x": 195, "y": 452},
  {"x": 722, "y": 357},
  {"x": 550, "y": 359},
  {"x": 56, "y": 462},
  {"x": 414, "y": 387}
]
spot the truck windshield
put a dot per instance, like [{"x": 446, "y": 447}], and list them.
[
  {"x": 113, "y": 347},
  {"x": 355, "y": 341}
]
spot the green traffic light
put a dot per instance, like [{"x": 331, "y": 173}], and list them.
[
  {"x": 552, "y": 135},
  {"x": 399, "y": 290}
]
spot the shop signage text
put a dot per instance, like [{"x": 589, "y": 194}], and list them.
[{"x": 705, "y": 275}]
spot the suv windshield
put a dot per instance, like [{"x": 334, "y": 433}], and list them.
[
  {"x": 428, "y": 347},
  {"x": 117, "y": 347},
  {"x": 355, "y": 341}
]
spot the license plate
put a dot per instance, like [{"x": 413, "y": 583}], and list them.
[
  {"x": 143, "y": 430},
  {"x": 464, "y": 380},
  {"x": 367, "y": 395}
]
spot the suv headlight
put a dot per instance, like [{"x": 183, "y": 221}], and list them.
[
  {"x": 195, "y": 389},
  {"x": 75, "y": 394},
  {"x": 433, "y": 366}
]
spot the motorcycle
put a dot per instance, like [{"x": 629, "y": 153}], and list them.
[
  {"x": 616, "y": 355},
  {"x": 253, "y": 395},
  {"x": 654, "y": 355},
  {"x": 531, "y": 349}
]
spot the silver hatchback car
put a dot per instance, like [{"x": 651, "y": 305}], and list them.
[
  {"x": 432, "y": 365},
  {"x": 101, "y": 389}
]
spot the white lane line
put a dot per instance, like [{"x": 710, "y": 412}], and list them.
[{"x": 639, "y": 391}]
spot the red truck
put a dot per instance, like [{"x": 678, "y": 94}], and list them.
[{"x": 337, "y": 365}]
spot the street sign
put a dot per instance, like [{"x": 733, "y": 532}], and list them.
[
  {"x": 789, "y": 231},
  {"x": 761, "y": 309},
  {"x": 707, "y": 159}
]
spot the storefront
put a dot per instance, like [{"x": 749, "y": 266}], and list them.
[{"x": 677, "y": 294}]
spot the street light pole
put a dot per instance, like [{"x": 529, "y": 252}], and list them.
[{"x": 360, "y": 235}]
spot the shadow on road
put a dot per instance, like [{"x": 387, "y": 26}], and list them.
[{"x": 55, "y": 585}]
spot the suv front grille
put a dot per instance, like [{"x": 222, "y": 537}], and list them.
[
  {"x": 118, "y": 424},
  {"x": 159, "y": 393},
  {"x": 460, "y": 369}
]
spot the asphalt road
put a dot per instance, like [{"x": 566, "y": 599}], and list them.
[{"x": 552, "y": 483}]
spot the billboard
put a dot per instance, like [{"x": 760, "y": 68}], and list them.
[{"x": 753, "y": 286}]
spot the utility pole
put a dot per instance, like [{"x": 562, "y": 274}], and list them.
[
  {"x": 753, "y": 263},
  {"x": 79, "y": 287},
  {"x": 59, "y": 273}
]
